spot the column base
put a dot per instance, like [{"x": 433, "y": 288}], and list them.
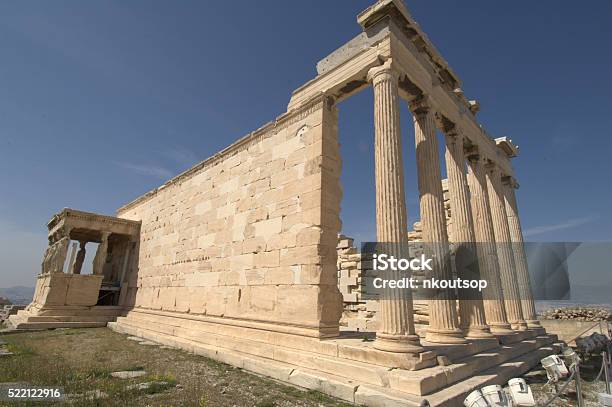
[
  {"x": 538, "y": 331},
  {"x": 445, "y": 336},
  {"x": 478, "y": 332},
  {"x": 533, "y": 324},
  {"x": 500, "y": 328},
  {"x": 398, "y": 343},
  {"x": 519, "y": 325}
]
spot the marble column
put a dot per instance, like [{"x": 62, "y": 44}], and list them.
[
  {"x": 488, "y": 264},
  {"x": 505, "y": 255},
  {"x": 520, "y": 260},
  {"x": 73, "y": 250},
  {"x": 443, "y": 319},
  {"x": 471, "y": 310},
  {"x": 396, "y": 332}
]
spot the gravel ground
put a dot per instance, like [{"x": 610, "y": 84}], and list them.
[
  {"x": 589, "y": 369},
  {"x": 82, "y": 360}
]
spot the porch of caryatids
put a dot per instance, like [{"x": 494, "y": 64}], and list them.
[
  {"x": 101, "y": 253},
  {"x": 396, "y": 332},
  {"x": 520, "y": 260},
  {"x": 504, "y": 249},
  {"x": 471, "y": 310},
  {"x": 80, "y": 258},
  {"x": 488, "y": 263},
  {"x": 443, "y": 318}
]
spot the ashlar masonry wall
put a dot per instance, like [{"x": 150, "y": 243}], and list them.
[{"x": 249, "y": 234}]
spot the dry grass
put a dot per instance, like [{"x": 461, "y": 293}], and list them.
[{"x": 81, "y": 360}]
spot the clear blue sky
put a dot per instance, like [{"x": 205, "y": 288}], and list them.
[{"x": 103, "y": 101}]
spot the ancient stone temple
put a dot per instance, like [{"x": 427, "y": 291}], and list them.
[
  {"x": 236, "y": 258},
  {"x": 64, "y": 296}
]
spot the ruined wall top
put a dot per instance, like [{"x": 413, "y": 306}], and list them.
[{"x": 265, "y": 131}]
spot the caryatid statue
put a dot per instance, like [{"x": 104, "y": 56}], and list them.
[{"x": 80, "y": 258}]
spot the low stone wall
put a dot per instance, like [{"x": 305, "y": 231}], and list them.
[
  {"x": 60, "y": 289},
  {"x": 8, "y": 310}
]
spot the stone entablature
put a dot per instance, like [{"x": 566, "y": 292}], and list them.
[
  {"x": 423, "y": 71},
  {"x": 72, "y": 221}
]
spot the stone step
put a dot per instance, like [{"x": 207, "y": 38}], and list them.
[
  {"x": 353, "y": 349},
  {"x": 417, "y": 382},
  {"x": 82, "y": 311},
  {"x": 367, "y": 373},
  {"x": 461, "y": 351},
  {"x": 430, "y": 380},
  {"x": 454, "y": 394},
  {"x": 70, "y": 318},
  {"x": 64, "y": 317},
  {"x": 333, "y": 385},
  {"x": 352, "y": 390},
  {"x": 54, "y": 325}
]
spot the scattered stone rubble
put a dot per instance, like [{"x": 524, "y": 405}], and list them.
[
  {"x": 146, "y": 385},
  {"x": 7, "y": 309},
  {"x": 578, "y": 314},
  {"x": 128, "y": 374},
  {"x": 4, "y": 349},
  {"x": 353, "y": 270}
]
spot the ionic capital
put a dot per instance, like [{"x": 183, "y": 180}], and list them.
[
  {"x": 453, "y": 135},
  {"x": 492, "y": 167},
  {"x": 447, "y": 126},
  {"x": 472, "y": 154},
  {"x": 420, "y": 106},
  {"x": 384, "y": 72},
  {"x": 510, "y": 181}
]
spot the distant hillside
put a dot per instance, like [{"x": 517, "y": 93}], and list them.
[{"x": 18, "y": 295}]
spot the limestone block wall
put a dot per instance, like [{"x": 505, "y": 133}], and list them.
[
  {"x": 60, "y": 289},
  {"x": 354, "y": 269},
  {"x": 349, "y": 270},
  {"x": 249, "y": 234}
]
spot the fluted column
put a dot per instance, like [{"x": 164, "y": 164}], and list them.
[
  {"x": 396, "y": 332},
  {"x": 443, "y": 319},
  {"x": 504, "y": 249},
  {"x": 488, "y": 263},
  {"x": 471, "y": 310},
  {"x": 520, "y": 260}
]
